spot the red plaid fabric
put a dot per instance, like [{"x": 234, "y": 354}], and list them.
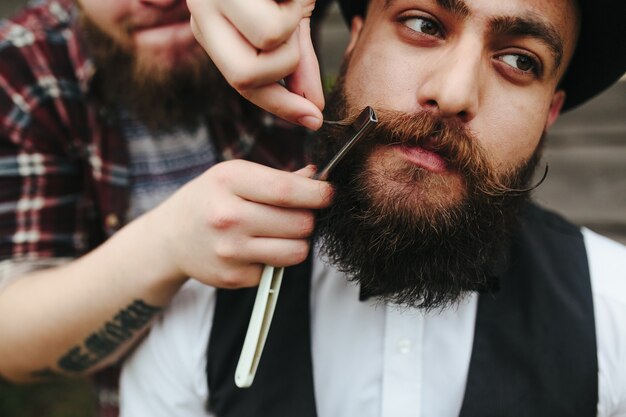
[
  {"x": 63, "y": 165},
  {"x": 64, "y": 177}
]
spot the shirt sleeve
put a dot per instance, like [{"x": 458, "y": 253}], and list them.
[
  {"x": 607, "y": 268},
  {"x": 165, "y": 376},
  {"x": 44, "y": 207}
]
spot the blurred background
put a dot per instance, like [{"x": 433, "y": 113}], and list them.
[
  {"x": 73, "y": 398},
  {"x": 586, "y": 152}
]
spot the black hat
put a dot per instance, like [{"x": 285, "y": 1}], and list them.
[{"x": 600, "y": 57}]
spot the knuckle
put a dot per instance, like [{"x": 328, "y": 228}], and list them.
[
  {"x": 300, "y": 251},
  {"x": 226, "y": 252},
  {"x": 222, "y": 218},
  {"x": 226, "y": 173},
  {"x": 238, "y": 278},
  {"x": 308, "y": 224},
  {"x": 282, "y": 191},
  {"x": 327, "y": 195},
  {"x": 242, "y": 79},
  {"x": 231, "y": 279},
  {"x": 219, "y": 167},
  {"x": 269, "y": 38}
]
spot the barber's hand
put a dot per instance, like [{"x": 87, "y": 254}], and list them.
[
  {"x": 255, "y": 44},
  {"x": 221, "y": 227}
]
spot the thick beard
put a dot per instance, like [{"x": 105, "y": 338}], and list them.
[
  {"x": 163, "y": 98},
  {"x": 393, "y": 232}
]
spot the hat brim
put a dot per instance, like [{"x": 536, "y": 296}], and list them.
[{"x": 600, "y": 57}]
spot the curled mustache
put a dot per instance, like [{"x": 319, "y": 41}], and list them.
[{"x": 448, "y": 138}]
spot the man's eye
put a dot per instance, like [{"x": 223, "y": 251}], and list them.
[
  {"x": 521, "y": 62},
  {"x": 423, "y": 25}
]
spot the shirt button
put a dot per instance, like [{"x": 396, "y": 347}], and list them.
[
  {"x": 112, "y": 221},
  {"x": 405, "y": 345}
]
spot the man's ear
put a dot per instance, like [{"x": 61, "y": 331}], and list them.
[
  {"x": 555, "y": 108},
  {"x": 355, "y": 32}
]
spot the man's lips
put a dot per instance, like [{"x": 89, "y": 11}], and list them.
[
  {"x": 162, "y": 33},
  {"x": 161, "y": 22},
  {"x": 160, "y": 25},
  {"x": 423, "y": 158}
]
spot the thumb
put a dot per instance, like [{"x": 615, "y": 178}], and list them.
[{"x": 306, "y": 81}]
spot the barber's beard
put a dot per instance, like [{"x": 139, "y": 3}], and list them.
[
  {"x": 162, "y": 96},
  {"x": 410, "y": 236}
]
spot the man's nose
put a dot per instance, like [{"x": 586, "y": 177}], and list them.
[
  {"x": 161, "y": 4},
  {"x": 452, "y": 84}
]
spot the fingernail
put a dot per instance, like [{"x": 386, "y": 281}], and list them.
[{"x": 310, "y": 122}]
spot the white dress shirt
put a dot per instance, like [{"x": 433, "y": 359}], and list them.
[{"x": 369, "y": 359}]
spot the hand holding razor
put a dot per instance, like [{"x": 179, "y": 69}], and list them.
[{"x": 271, "y": 278}]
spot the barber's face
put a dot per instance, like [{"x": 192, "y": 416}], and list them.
[
  {"x": 491, "y": 66},
  {"x": 157, "y": 32}
]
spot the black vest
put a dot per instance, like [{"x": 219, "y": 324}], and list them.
[{"x": 534, "y": 351}]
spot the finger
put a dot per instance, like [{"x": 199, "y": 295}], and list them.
[
  {"x": 200, "y": 10},
  {"x": 265, "y": 24},
  {"x": 281, "y": 189},
  {"x": 240, "y": 63},
  {"x": 277, "y": 252},
  {"x": 289, "y": 106},
  {"x": 307, "y": 7},
  {"x": 238, "y": 276},
  {"x": 276, "y": 222},
  {"x": 306, "y": 80},
  {"x": 197, "y": 32}
]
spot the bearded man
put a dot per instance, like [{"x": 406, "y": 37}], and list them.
[
  {"x": 435, "y": 287},
  {"x": 107, "y": 109}
]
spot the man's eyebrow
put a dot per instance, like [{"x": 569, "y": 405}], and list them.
[
  {"x": 516, "y": 26},
  {"x": 456, "y": 7}
]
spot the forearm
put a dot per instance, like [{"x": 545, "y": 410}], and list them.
[
  {"x": 219, "y": 229},
  {"x": 75, "y": 319}
]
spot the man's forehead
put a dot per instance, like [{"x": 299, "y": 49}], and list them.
[
  {"x": 464, "y": 7},
  {"x": 558, "y": 11},
  {"x": 456, "y": 6}
]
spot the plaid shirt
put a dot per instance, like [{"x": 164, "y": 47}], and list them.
[{"x": 64, "y": 163}]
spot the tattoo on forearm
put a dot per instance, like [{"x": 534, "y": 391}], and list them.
[{"x": 106, "y": 340}]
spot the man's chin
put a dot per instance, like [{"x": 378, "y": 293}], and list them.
[{"x": 412, "y": 236}]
